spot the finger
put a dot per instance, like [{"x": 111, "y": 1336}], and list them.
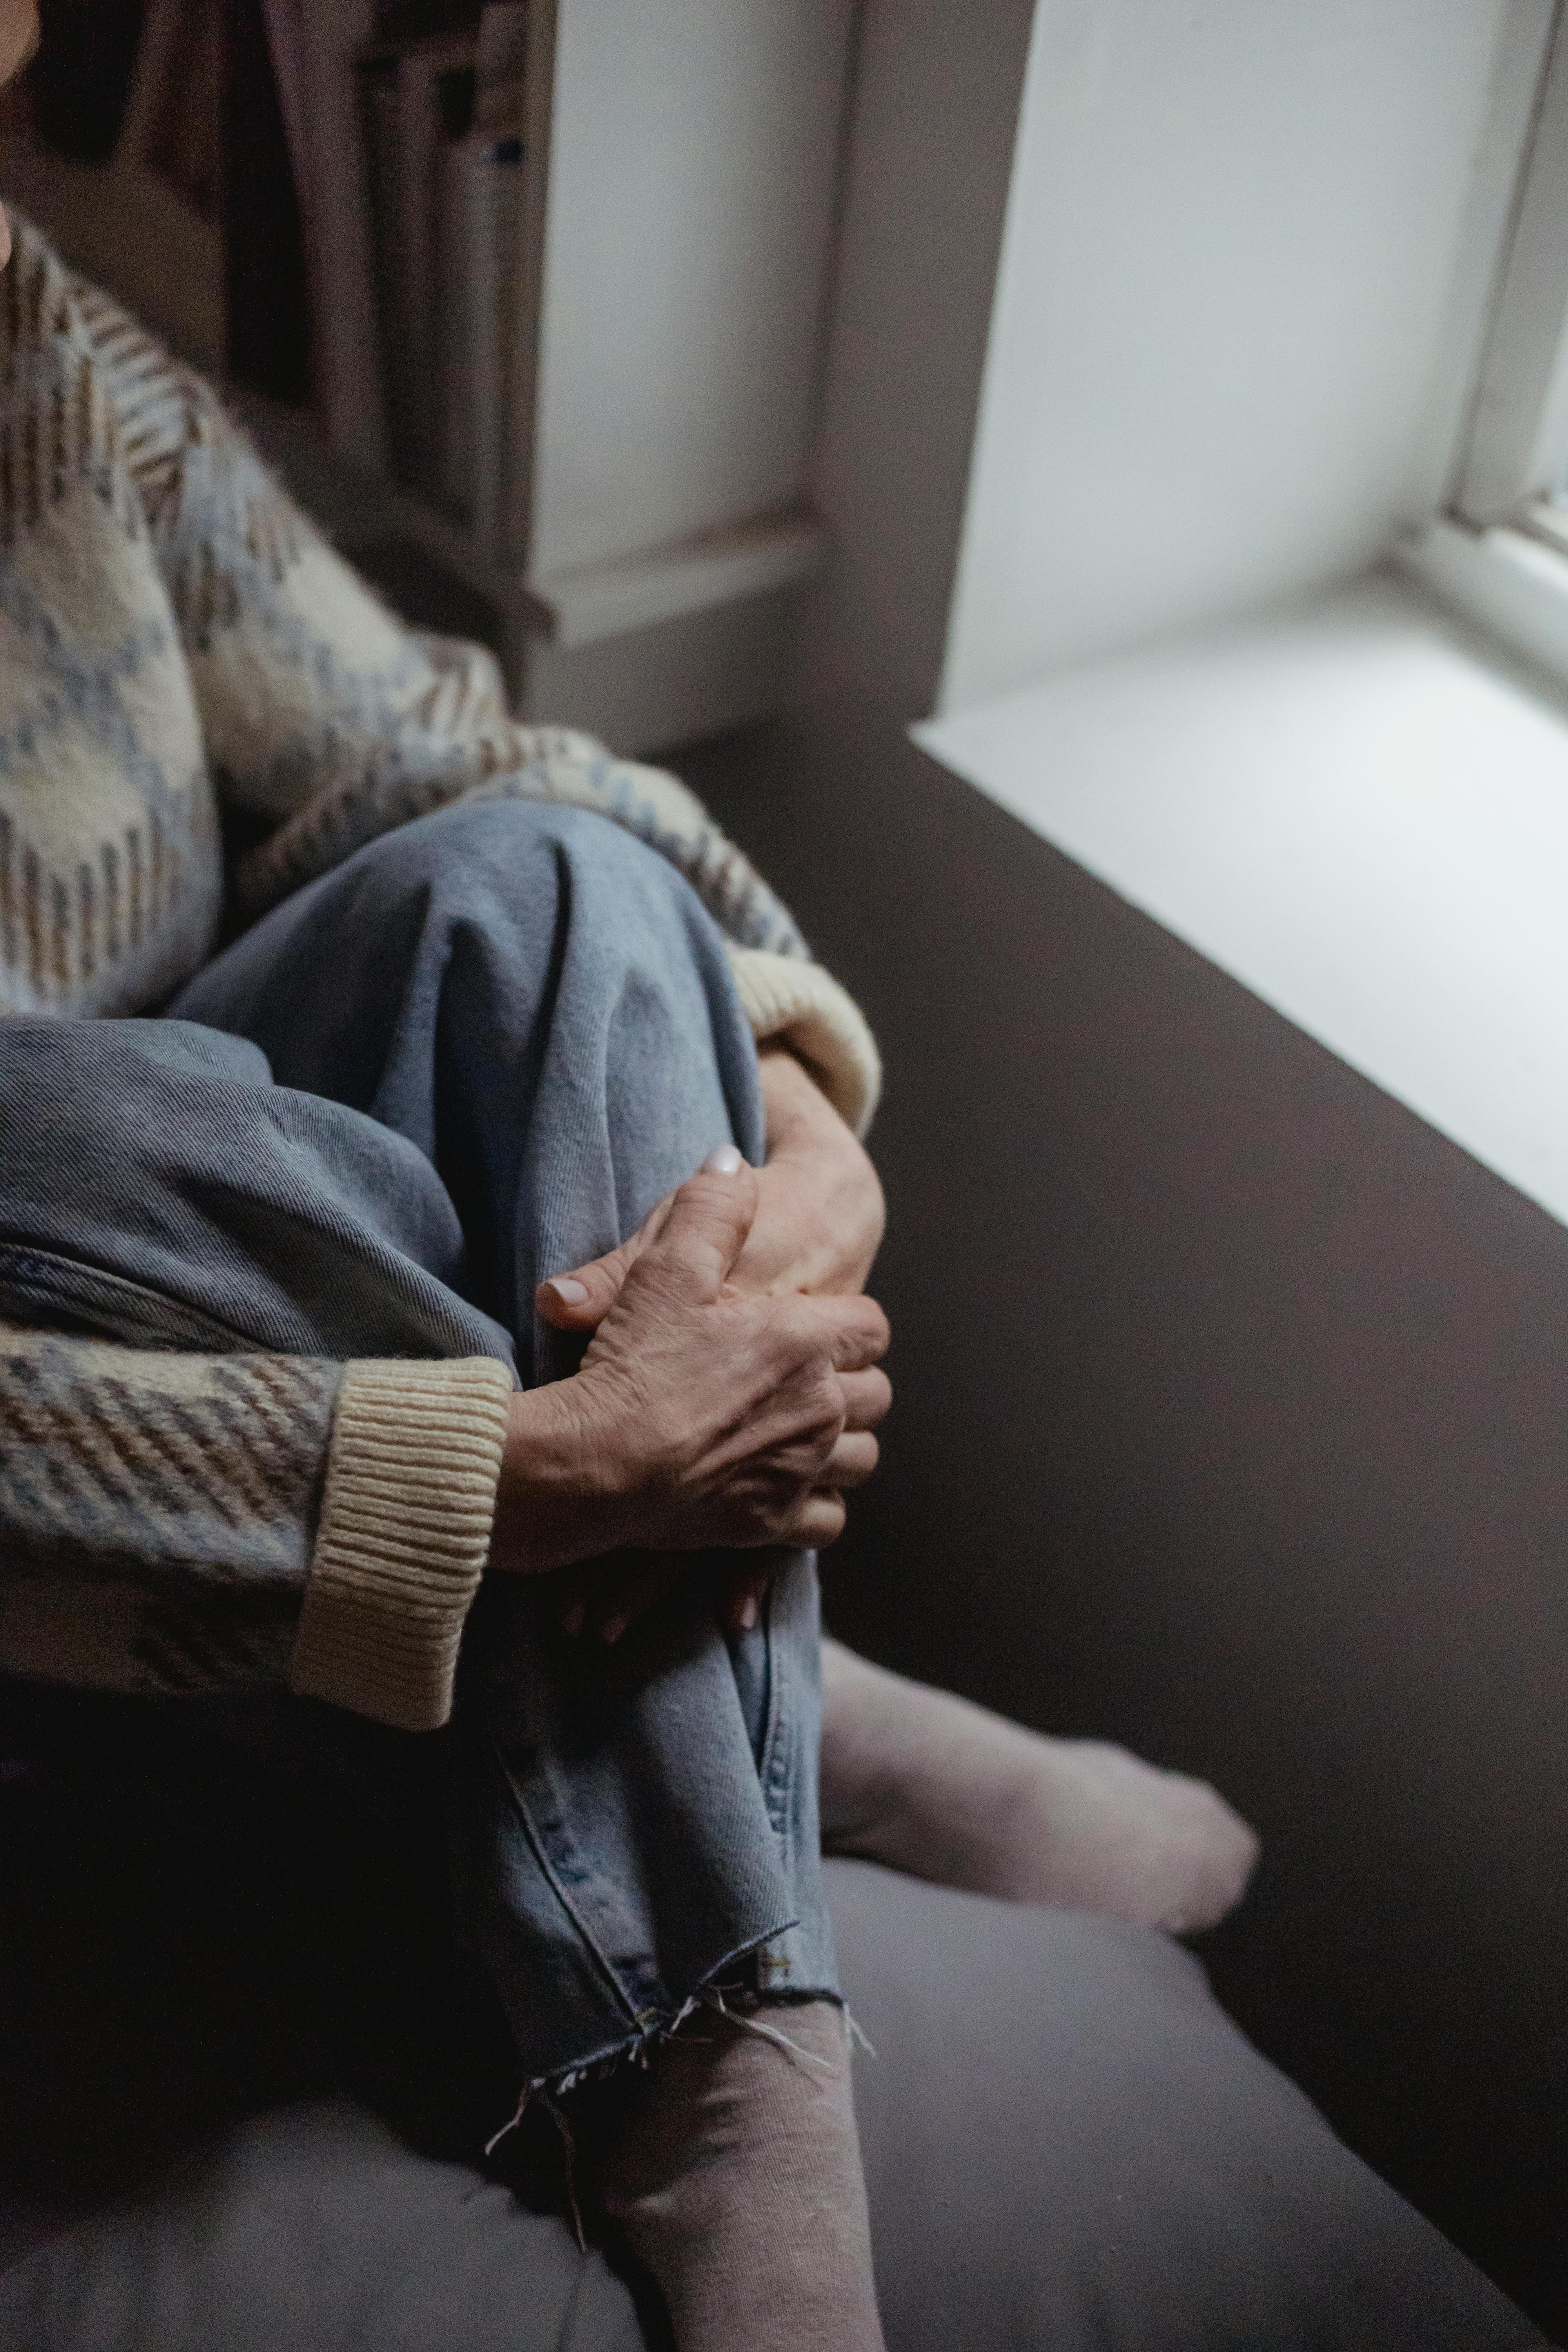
[
  {"x": 741, "y": 1601},
  {"x": 852, "y": 1460},
  {"x": 706, "y": 1230},
  {"x": 578, "y": 1587},
  {"x": 633, "y": 1591},
  {"x": 867, "y": 1399},
  {"x": 819, "y": 1521},
  {"x": 580, "y": 1300},
  {"x": 858, "y": 1330}
]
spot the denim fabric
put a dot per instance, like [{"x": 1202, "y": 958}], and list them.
[{"x": 475, "y": 1053}]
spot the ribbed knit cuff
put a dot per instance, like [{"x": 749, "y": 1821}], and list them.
[
  {"x": 786, "y": 997},
  {"x": 405, "y": 1530}
]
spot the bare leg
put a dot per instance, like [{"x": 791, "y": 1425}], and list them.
[
  {"x": 732, "y": 2170},
  {"x": 941, "y": 1789}
]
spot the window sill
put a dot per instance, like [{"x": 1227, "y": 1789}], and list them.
[
  {"x": 1355, "y": 809},
  {"x": 1511, "y": 582}
]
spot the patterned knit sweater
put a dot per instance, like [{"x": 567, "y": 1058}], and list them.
[{"x": 178, "y": 644}]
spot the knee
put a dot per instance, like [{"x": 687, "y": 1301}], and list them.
[
  {"x": 466, "y": 836},
  {"x": 521, "y": 860},
  {"x": 509, "y": 837},
  {"x": 533, "y": 898}
]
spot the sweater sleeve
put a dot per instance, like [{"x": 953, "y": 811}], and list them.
[
  {"x": 172, "y": 1523},
  {"x": 327, "y": 721}
]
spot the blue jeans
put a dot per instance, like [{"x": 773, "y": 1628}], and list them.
[{"x": 475, "y": 1053}]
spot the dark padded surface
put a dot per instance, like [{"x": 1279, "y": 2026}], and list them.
[
  {"x": 313, "y": 2229},
  {"x": 1068, "y": 2146}
]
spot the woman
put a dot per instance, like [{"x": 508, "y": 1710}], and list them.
[{"x": 330, "y": 1371}]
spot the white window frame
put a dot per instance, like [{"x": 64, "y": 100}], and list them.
[
  {"x": 1495, "y": 541},
  {"x": 1514, "y": 455}
]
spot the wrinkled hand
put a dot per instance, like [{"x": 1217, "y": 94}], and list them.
[
  {"x": 819, "y": 1222},
  {"x": 701, "y": 1417},
  {"x": 820, "y": 1217}
]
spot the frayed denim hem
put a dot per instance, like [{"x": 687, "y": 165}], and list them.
[{"x": 636, "y": 2048}]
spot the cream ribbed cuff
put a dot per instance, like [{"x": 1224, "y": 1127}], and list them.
[
  {"x": 405, "y": 1530},
  {"x": 786, "y": 997}
]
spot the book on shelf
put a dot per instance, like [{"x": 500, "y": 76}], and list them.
[
  {"x": 501, "y": 67},
  {"x": 414, "y": 99},
  {"x": 480, "y": 187},
  {"x": 442, "y": 116},
  {"x": 266, "y": 283}
]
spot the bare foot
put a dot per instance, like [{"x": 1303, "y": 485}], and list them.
[{"x": 941, "y": 1789}]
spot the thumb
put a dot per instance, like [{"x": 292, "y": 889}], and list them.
[
  {"x": 706, "y": 1229},
  {"x": 579, "y": 1301}
]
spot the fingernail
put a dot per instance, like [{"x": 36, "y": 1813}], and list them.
[
  {"x": 614, "y": 1629},
  {"x": 750, "y": 1612},
  {"x": 569, "y": 1293},
  {"x": 572, "y": 1619},
  {"x": 722, "y": 1160}
]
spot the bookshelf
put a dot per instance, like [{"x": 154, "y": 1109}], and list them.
[{"x": 661, "y": 297}]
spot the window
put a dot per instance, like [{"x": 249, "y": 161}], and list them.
[{"x": 1510, "y": 463}]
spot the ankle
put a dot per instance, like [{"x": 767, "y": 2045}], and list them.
[{"x": 731, "y": 2170}]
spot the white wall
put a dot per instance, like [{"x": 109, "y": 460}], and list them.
[
  {"x": 1225, "y": 268},
  {"x": 933, "y": 122},
  {"x": 693, "y": 167},
  {"x": 1351, "y": 810}
]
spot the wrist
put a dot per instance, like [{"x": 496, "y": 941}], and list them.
[
  {"x": 554, "y": 1503},
  {"x": 795, "y": 1109}
]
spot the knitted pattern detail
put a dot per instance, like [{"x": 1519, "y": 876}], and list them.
[
  {"x": 176, "y": 635},
  {"x": 784, "y": 998},
  {"x": 405, "y": 1532},
  {"x": 110, "y": 872},
  {"x": 172, "y": 624},
  {"x": 158, "y": 1509},
  {"x": 176, "y": 1522}
]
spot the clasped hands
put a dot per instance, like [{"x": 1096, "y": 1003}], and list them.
[{"x": 731, "y": 1389}]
